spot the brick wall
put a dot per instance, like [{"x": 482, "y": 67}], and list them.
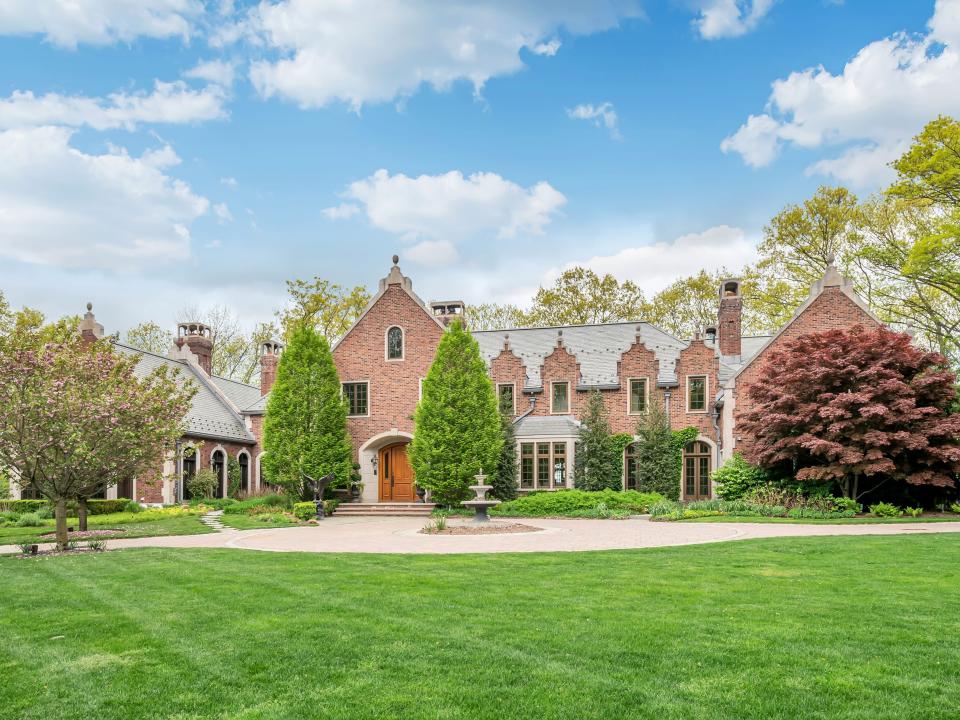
[
  {"x": 507, "y": 367},
  {"x": 560, "y": 366},
  {"x": 696, "y": 359},
  {"x": 394, "y": 385},
  {"x": 636, "y": 362},
  {"x": 830, "y": 310}
]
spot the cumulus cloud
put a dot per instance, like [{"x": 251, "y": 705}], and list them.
[
  {"x": 439, "y": 207},
  {"x": 343, "y": 211},
  {"x": 168, "y": 103},
  {"x": 230, "y": 182},
  {"x": 218, "y": 72},
  {"x": 98, "y": 22},
  {"x": 371, "y": 51},
  {"x": 656, "y": 265},
  {"x": 61, "y": 206},
  {"x": 602, "y": 116},
  {"x": 433, "y": 253},
  {"x": 222, "y": 211},
  {"x": 871, "y": 109},
  {"x": 730, "y": 18}
]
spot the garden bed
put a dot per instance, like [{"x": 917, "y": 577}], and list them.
[{"x": 494, "y": 528}]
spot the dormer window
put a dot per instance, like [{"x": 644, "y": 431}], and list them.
[{"x": 395, "y": 343}]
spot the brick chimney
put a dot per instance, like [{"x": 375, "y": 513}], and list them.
[
  {"x": 197, "y": 337},
  {"x": 269, "y": 359},
  {"x": 447, "y": 310},
  {"x": 90, "y": 329},
  {"x": 729, "y": 318}
]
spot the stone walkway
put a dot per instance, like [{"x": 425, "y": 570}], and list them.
[{"x": 401, "y": 535}]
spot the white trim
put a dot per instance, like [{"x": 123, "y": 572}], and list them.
[
  {"x": 646, "y": 395},
  {"x": 420, "y": 390},
  {"x": 706, "y": 394},
  {"x": 571, "y": 449},
  {"x": 403, "y": 344},
  {"x": 356, "y": 382},
  {"x": 568, "y": 411},
  {"x": 257, "y": 463},
  {"x": 513, "y": 394}
]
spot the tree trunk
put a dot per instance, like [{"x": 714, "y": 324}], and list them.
[
  {"x": 82, "y": 513},
  {"x": 61, "y": 516},
  {"x": 856, "y": 485}
]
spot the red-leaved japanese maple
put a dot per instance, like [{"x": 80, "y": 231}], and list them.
[{"x": 850, "y": 404}]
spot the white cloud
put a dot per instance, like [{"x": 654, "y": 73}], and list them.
[
  {"x": 168, "y": 103},
  {"x": 99, "y": 22},
  {"x": 223, "y": 213},
  {"x": 433, "y": 253},
  {"x": 343, "y": 211},
  {"x": 218, "y": 72},
  {"x": 451, "y": 206},
  {"x": 883, "y": 97},
  {"x": 730, "y": 18},
  {"x": 602, "y": 115},
  {"x": 654, "y": 266},
  {"x": 230, "y": 182},
  {"x": 61, "y": 206},
  {"x": 370, "y": 51}
]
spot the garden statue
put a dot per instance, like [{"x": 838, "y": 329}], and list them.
[{"x": 318, "y": 486}]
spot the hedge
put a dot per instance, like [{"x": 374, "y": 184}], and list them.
[
  {"x": 23, "y": 506},
  {"x": 94, "y": 507},
  {"x": 576, "y": 502}
]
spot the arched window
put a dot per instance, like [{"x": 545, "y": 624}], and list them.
[
  {"x": 696, "y": 470},
  {"x": 244, "y": 461},
  {"x": 395, "y": 343},
  {"x": 218, "y": 466},
  {"x": 189, "y": 469},
  {"x": 631, "y": 467}
]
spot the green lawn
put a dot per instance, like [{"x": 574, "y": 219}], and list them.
[
  {"x": 130, "y": 524},
  {"x": 855, "y": 627},
  {"x": 255, "y": 522},
  {"x": 812, "y": 521}
]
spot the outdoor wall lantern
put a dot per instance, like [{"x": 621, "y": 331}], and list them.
[{"x": 373, "y": 461}]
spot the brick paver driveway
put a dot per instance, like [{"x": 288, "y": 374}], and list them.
[{"x": 401, "y": 535}]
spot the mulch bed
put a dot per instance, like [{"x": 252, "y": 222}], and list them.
[{"x": 493, "y": 528}]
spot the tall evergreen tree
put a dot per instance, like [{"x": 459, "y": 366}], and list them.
[
  {"x": 596, "y": 466},
  {"x": 658, "y": 469},
  {"x": 505, "y": 483},
  {"x": 305, "y": 430},
  {"x": 457, "y": 421}
]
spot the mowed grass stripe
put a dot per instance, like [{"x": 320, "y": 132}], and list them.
[{"x": 845, "y": 627}]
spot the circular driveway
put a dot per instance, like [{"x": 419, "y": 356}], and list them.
[{"x": 401, "y": 535}]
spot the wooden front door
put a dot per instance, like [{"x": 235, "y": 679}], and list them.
[{"x": 396, "y": 475}]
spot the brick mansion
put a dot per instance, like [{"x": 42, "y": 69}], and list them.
[{"x": 542, "y": 375}]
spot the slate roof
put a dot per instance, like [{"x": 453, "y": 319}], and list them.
[
  {"x": 211, "y": 414},
  {"x": 257, "y": 408},
  {"x": 240, "y": 394},
  {"x": 547, "y": 426},
  {"x": 597, "y": 348},
  {"x": 750, "y": 345}
]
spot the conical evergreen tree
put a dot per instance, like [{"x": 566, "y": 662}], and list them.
[
  {"x": 596, "y": 466},
  {"x": 505, "y": 483},
  {"x": 305, "y": 429},
  {"x": 457, "y": 421},
  {"x": 658, "y": 466}
]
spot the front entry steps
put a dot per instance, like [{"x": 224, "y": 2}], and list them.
[{"x": 398, "y": 509}]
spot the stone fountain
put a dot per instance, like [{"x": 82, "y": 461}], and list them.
[{"x": 480, "y": 503}]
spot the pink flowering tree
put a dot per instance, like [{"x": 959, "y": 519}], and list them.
[
  {"x": 76, "y": 419},
  {"x": 855, "y": 405}
]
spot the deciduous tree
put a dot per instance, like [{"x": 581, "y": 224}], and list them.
[
  {"x": 77, "y": 419},
  {"x": 580, "y": 297},
  {"x": 305, "y": 428},
  {"x": 330, "y": 309},
  {"x": 492, "y": 316},
  {"x": 853, "y": 405},
  {"x": 458, "y": 429}
]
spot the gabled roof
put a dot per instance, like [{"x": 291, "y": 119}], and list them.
[
  {"x": 598, "y": 349},
  {"x": 238, "y": 393},
  {"x": 212, "y": 414}
]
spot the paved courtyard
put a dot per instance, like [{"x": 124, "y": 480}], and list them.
[{"x": 401, "y": 535}]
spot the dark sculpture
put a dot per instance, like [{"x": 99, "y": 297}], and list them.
[{"x": 319, "y": 487}]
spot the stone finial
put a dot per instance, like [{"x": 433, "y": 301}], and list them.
[
  {"x": 506, "y": 341},
  {"x": 90, "y": 329},
  {"x": 831, "y": 259},
  {"x": 396, "y": 259}
]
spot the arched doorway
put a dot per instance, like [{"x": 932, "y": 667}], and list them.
[
  {"x": 631, "y": 467},
  {"x": 244, "y": 460},
  {"x": 696, "y": 470},
  {"x": 218, "y": 465},
  {"x": 395, "y": 474}
]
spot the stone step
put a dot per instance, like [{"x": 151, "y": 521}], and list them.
[{"x": 381, "y": 509}]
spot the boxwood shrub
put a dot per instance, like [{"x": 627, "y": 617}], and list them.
[{"x": 574, "y": 503}]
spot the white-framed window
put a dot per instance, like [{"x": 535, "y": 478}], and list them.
[
  {"x": 544, "y": 465},
  {"x": 243, "y": 458},
  {"x": 507, "y": 398},
  {"x": 358, "y": 398},
  {"x": 698, "y": 388},
  {"x": 393, "y": 343},
  {"x": 560, "y": 397},
  {"x": 638, "y": 396}
]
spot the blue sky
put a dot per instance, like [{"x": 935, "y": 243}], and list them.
[{"x": 173, "y": 152}]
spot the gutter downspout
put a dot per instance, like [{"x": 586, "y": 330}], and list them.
[{"x": 533, "y": 405}]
